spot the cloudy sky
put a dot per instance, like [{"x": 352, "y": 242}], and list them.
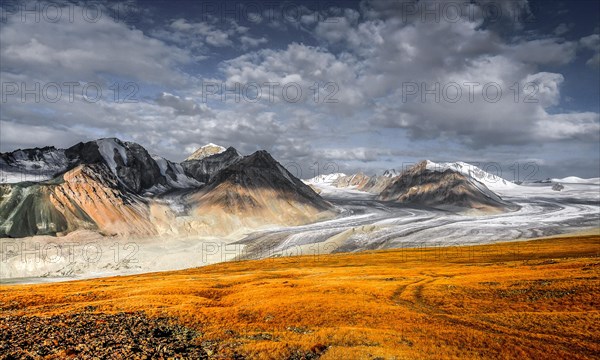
[{"x": 323, "y": 85}]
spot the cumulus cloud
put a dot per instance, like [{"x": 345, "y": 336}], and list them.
[
  {"x": 86, "y": 51},
  {"x": 380, "y": 58},
  {"x": 544, "y": 51},
  {"x": 183, "y": 106},
  {"x": 496, "y": 14},
  {"x": 296, "y": 71}
]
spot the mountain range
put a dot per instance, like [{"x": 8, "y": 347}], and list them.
[
  {"x": 118, "y": 188},
  {"x": 452, "y": 186}
]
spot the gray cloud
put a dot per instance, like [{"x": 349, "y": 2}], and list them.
[
  {"x": 592, "y": 42},
  {"x": 185, "y": 106},
  {"x": 370, "y": 54},
  {"x": 86, "y": 51}
]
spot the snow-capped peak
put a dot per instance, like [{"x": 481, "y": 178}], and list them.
[
  {"x": 391, "y": 173},
  {"x": 577, "y": 180},
  {"x": 493, "y": 182},
  {"x": 325, "y": 178},
  {"x": 206, "y": 151}
]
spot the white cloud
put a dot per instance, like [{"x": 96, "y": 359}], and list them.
[
  {"x": 183, "y": 106},
  {"x": 592, "y": 42},
  {"x": 302, "y": 65},
  {"x": 544, "y": 51},
  {"x": 582, "y": 126}
]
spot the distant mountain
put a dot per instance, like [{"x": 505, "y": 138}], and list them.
[
  {"x": 446, "y": 187},
  {"x": 356, "y": 180},
  {"x": 378, "y": 183},
  {"x": 491, "y": 181},
  {"x": 206, "y": 151},
  {"x": 32, "y": 164},
  {"x": 116, "y": 187},
  {"x": 372, "y": 184},
  {"x": 577, "y": 180},
  {"x": 326, "y": 179}
]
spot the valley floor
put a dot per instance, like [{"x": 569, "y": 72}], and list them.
[
  {"x": 364, "y": 223},
  {"x": 533, "y": 299}
]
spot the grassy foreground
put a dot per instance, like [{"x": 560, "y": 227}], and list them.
[{"x": 536, "y": 299}]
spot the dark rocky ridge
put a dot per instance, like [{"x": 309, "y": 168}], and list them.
[
  {"x": 260, "y": 170},
  {"x": 202, "y": 170}
]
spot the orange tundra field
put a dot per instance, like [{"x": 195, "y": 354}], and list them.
[{"x": 535, "y": 299}]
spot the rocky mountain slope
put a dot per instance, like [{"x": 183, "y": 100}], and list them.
[
  {"x": 85, "y": 197},
  {"x": 355, "y": 180},
  {"x": 253, "y": 189},
  {"x": 373, "y": 184}
]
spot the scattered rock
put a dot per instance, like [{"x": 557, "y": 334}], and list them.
[
  {"x": 95, "y": 335},
  {"x": 298, "y": 329},
  {"x": 558, "y": 187}
]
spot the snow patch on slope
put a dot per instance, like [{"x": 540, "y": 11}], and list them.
[
  {"x": 182, "y": 181},
  {"x": 284, "y": 172},
  {"x": 107, "y": 149}
]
